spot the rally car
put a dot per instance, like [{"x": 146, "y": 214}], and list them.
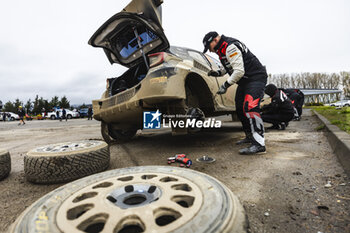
[{"x": 173, "y": 80}]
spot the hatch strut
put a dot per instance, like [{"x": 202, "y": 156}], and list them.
[{"x": 139, "y": 43}]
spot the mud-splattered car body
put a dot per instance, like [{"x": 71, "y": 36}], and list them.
[{"x": 160, "y": 76}]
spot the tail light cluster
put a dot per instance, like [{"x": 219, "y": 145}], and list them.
[{"x": 156, "y": 59}]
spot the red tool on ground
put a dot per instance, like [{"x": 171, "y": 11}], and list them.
[{"x": 180, "y": 158}]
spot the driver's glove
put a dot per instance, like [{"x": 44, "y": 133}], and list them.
[
  {"x": 223, "y": 88},
  {"x": 214, "y": 73}
]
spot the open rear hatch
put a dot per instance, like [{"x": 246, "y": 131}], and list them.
[{"x": 130, "y": 35}]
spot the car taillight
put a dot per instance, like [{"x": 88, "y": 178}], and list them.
[{"x": 156, "y": 59}]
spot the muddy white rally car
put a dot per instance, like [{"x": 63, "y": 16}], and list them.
[{"x": 173, "y": 80}]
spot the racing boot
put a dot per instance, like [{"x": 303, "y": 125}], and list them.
[
  {"x": 283, "y": 126},
  {"x": 247, "y": 139},
  {"x": 253, "y": 149},
  {"x": 276, "y": 126}
]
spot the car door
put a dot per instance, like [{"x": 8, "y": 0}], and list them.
[{"x": 128, "y": 36}]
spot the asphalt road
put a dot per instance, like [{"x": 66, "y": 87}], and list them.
[{"x": 282, "y": 190}]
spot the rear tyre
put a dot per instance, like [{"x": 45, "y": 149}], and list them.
[
  {"x": 5, "y": 164},
  {"x": 104, "y": 132},
  {"x": 112, "y": 135},
  {"x": 12, "y": 119},
  {"x": 192, "y": 108},
  {"x": 67, "y": 161},
  {"x": 52, "y": 117},
  {"x": 137, "y": 199},
  {"x": 69, "y": 116},
  {"x": 124, "y": 135}
]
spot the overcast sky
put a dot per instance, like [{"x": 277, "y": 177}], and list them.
[{"x": 44, "y": 50}]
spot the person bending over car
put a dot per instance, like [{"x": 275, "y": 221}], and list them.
[
  {"x": 280, "y": 111},
  {"x": 250, "y": 75}
]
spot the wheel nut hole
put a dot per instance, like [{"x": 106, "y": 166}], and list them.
[
  {"x": 129, "y": 188},
  {"x": 134, "y": 199},
  {"x": 111, "y": 199},
  {"x": 152, "y": 189}
]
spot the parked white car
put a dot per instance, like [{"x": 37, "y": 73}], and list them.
[
  {"x": 341, "y": 103},
  {"x": 10, "y": 115},
  {"x": 69, "y": 114}
]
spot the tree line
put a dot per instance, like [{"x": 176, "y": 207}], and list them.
[
  {"x": 314, "y": 81},
  {"x": 38, "y": 105}
]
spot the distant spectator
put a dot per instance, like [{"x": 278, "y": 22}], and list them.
[
  {"x": 64, "y": 114},
  {"x": 90, "y": 113},
  {"x": 21, "y": 115},
  {"x": 58, "y": 115}
]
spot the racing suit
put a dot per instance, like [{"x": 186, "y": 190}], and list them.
[
  {"x": 297, "y": 98},
  {"x": 250, "y": 75},
  {"x": 279, "y": 110}
]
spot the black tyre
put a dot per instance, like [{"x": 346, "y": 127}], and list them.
[
  {"x": 105, "y": 134},
  {"x": 109, "y": 134},
  {"x": 69, "y": 116},
  {"x": 5, "y": 164},
  {"x": 52, "y": 117},
  {"x": 137, "y": 199},
  {"x": 123, "y": 135},
  {"x": 192, "y": 108},
  {"x": 12, "y": 119},
  {"x": 64, "y": 162}
]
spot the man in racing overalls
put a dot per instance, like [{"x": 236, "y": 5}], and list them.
[{"x": 250, "y": 75}]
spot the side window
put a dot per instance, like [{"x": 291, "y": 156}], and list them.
[
  {"x": 215, "y": 64},
  {"x": 198, "y": 57}
]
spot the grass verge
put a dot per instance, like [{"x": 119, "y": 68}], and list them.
[{"x": 339, "y": 117}]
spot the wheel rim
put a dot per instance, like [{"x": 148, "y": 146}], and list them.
[
  {"x": 139, "y": 202},
  {"x": 67, "y": 147}
]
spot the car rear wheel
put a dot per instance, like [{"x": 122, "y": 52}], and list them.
[
  {"x": 192, "y": 108},
  {"x": 137, "y": 199},
  {"x": 5, "y": 164},
  {"x": 12, "y": 118},
  {"x": 69, "y": 116},
  {"x": 67, "y": 161},
  {"x": 110, "y": 135},
  {"x": 119, "y": 134},
  {"x": 52, "y": 117}
]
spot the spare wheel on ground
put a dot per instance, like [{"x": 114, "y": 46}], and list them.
[
  {"x": 66, "y": 161},
  {"x": 137, "y": 199}
]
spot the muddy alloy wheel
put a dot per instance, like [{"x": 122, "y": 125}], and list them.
[
  {"x": 5, "y": 164},
  {"x": 138, "y": 199},
  {"x": 67, "y": 161}
]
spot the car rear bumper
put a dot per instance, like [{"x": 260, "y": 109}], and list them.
[{"x": 128, "y": 107}]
